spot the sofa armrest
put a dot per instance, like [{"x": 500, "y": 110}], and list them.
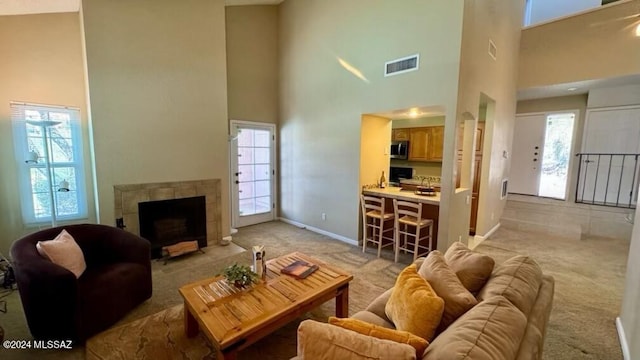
[
  {"x": 102, "y": 244},
  {"x": 321, "y": 341},
  {"x": 378, "y": 304},
  {"x": 124, "y": 246}
]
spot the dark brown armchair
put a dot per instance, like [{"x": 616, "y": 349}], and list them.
[{"x": 60, "y": 306}]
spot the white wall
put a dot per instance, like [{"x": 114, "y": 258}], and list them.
[{"x": 614, "y": 96}]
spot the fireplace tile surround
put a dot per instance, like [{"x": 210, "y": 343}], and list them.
[{"x": 127, "y": 197}]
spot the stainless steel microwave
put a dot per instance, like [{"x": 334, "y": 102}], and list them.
[{"x": 399, "y": 150}]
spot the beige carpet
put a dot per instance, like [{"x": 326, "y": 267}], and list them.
[{"x": 589, "y": 281}]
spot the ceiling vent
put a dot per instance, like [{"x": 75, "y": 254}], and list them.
[{"x": 402, "y": 65}]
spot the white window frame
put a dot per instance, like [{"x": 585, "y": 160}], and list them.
[{"x": 21, "y": 147}]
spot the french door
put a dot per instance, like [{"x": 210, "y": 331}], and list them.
[{"x": 252, "y": 172}]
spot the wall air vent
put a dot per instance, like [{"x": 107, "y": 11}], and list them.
[
  {"x": 493, "y": 50},
  {"x": 402, "y": 65}
]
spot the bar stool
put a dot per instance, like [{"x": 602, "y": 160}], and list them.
[
  {"x": 409, "y": 223},
  {"x": 380, "y": 223}
]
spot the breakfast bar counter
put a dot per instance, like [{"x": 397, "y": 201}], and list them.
[
  {"x": 430, "y": 204},
  {"x": 405, "y": 195}
]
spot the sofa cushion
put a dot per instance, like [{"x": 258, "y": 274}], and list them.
[
  {"x": 473, "y": 269},
  {"x": 517, "y": 279},
  {"x": 377, "y": 305},
  {"x": 413, "y": 305},
  {"x": 491, "y": 330},
  {"x": 371, "y": 318},
  {"x": 321, "y": 341},
  {"x": 365, "y": 328},
  {"x": 457, "y": 299},
  {"x": 63, "y": 251}
]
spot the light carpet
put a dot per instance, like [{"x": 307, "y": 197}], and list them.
[{"x": 589, "y": 283}]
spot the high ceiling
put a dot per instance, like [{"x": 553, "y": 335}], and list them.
[{"x": 23, "y": 7}]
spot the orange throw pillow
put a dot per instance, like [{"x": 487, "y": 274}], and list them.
[
  {"x": 380, "y": 332},
  {"x": 413, "y": 305}
]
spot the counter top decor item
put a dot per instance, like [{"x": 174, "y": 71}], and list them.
[{"x": 240, "y": 275}]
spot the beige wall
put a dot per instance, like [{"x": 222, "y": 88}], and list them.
[
  {"x": 374, "y": 152},
  {"x": 322, "y": 102},
  {"x": 157, "y": 79},
  {"x": 252, "y": 62},
  {"x": 483, "y": 80},
  {"x": 41, "y": 63},
  {"x": 595, "y": 45}
]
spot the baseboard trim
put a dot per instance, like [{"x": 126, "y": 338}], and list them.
[
  {"x": 320, "y": 231},
  {"x": 478, "y": 239},
  {"x": 623, "y": 339}
]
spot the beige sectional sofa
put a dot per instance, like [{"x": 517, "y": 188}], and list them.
[{"x": 508, "y": 321}]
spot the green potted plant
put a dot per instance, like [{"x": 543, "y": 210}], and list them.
[{"x": 240, "y": 275}]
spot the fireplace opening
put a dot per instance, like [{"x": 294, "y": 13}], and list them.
[{"x": 168, "y": 222}]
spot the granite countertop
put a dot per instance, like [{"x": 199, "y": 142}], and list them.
[{"x": 397, "y": 193}]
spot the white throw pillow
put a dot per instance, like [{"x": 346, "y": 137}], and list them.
[{"x": 63, "y": 251}]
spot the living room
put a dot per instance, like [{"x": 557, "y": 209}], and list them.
[{"x": 160, "y": 105}]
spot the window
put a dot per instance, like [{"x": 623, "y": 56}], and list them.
[{"x": 48, "y": 150}]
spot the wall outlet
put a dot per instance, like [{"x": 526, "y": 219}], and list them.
[
  {"x": 459, "y": 237},
  {"x": 324, "y": 217},
  {"x": 468, "y": 199}
]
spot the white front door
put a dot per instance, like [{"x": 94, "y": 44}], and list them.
[
  {"x": 252, "y": 172},
  {"x": 541, "y": 154},
  {"x": 528, "y": 140}
]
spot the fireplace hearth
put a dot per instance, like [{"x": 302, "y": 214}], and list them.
[{"x": 169, "y": 222}]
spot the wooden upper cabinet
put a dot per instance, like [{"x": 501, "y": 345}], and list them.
[
  {"x": 425, "y": 143},
  {"x": 399, "y": 134},
  {"x": 436, "y": 143},
  {"x": 419, "y": 144}
]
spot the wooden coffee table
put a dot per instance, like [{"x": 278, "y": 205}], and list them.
[{"x": 234, "y": 319}]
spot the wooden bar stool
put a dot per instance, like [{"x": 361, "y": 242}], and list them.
[
  {"x": 376, "y": 223},
  {"x": 410, "y": 224}
]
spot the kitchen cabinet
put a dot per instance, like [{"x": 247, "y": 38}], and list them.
[
  {"x": 479, "y": 138},
  {"x": 425, "y": 143},
  {"x": 400, "y": 135}
]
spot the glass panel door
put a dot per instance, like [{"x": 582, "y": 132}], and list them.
[
  {"x": 557, "y": 152},
  {"x": 252, "y": 172}
]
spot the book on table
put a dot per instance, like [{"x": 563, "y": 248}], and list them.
[{"x": 299, "y": 269}]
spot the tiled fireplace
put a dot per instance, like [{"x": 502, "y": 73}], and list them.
[{"x": 127, "y": 198}]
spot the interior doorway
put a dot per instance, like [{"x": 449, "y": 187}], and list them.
[{"x": 252, "y": 172}]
